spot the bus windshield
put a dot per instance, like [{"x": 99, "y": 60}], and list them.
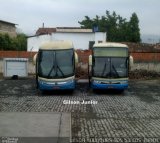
[
  {"x": 56, "y": 63},
  {"x": 110, "y": 67}
]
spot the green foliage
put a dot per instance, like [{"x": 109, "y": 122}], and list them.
[
  {"x": 118, "y": 28},
  {"x": 18, "y": 43},
  {"x": 134, "y": 28}
]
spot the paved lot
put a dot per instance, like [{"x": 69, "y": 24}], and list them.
[
  {"x": 35, "y": 125},
  {"x": 132, "y": 116}
]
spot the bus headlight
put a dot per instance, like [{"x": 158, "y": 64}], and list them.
[
  {"x": 65, "y": 82},
  {"x": 96, "y": 81},
  {"x": 61, "y": 82},
  {"x": 55, "y": 82}
]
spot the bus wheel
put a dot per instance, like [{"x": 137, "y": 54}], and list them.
[
  {"x": 71, "y": 91},
  {"x": 37, "y": 84},
  {"x": 121, "y": 91}
]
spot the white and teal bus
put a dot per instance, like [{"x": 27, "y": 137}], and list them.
[
  {"x": 55, "y": 66},
  {"x": 109, "y": 66}
]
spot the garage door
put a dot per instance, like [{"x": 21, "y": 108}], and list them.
[{"x": 15, "y": 67}]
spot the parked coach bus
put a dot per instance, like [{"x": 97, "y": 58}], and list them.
[
  {"x": 109, "y": 66},
  {"x": 55, "y": 66}
]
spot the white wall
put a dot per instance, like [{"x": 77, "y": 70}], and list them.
[
  {"x": 80, "y": 40},
  {"x": 100, "y": 36},
  {"x": 33, "y": 43}
]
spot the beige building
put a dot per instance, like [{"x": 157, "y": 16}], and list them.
[
  {"x": 81, "y": 38},
  {"x": 8, "y": 27}
]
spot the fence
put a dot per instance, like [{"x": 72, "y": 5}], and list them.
[
  {"x": 16, "y": 54},
  {"x": 143, "y": 59}
]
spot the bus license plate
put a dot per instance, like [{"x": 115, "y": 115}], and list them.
[
  {"x": 111, "y": 87},
  {"x": 56, "y": 87}
]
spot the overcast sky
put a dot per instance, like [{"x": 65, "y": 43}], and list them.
[{"x": 30, "y": 14}]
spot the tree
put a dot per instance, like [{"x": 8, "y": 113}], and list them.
[
  {"x": 2, "y": 42},
  {"x": 16, "y": 43},
  {"x": 86, "y": 23},
  {"x": 22, "y": 42},
  {"x": 118, "y": 28},
  {"x": 134, "y": 30}
]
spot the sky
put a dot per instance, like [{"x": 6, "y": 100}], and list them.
[{"x": 31, "y": 14}]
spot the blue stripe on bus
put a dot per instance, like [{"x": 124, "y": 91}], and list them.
[
  {"x": 66, "y": 86},
  {"x": 108, "y": 86}
]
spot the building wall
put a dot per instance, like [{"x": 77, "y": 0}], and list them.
[
  {"x": 80, "y": 40},
  {"x": 31, "y": 67},
  {"x": 148, "y": 61},
  {"x": 145, "y": 57},
  {"x": 18, "y": 54},
  {"x": 150, "y": 66},
  {"x": 8, "y": 28},
  {"x": 139, "y": 61},
  {"x": 33, "y": 43}
]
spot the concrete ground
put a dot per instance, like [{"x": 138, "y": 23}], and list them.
[
  {"x": 34, "y": 125},
  {"x": 108, "y": 116}
]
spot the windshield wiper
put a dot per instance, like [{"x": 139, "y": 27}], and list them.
[
  {"x": 53, "y": 67},
  {"x": 60, "y": 71},
  {"x": 104, "y": 69},
  {"x": 115, "y": 70}
]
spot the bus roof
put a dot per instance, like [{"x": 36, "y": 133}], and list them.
[
  {"x": 109, "y": 44},
  {"x": 56, "y": 45}
]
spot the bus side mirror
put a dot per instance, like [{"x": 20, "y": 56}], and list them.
[
  {"x": 90, "y": 60},
  {"x": 76, "y": 58},
  {"x": 131, "y": 61},
  {"x": 34, "y": 59},
  {"x": 90, "y": 63}
]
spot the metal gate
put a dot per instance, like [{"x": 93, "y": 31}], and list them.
[{"x": 15, "y": 66}]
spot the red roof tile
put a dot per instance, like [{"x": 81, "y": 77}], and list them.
[{"x": 42, "y": 31}]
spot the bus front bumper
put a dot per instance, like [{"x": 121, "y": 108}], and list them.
[
  {"x": 57, "y": 86},
  {"x": 95, "y": 85}
]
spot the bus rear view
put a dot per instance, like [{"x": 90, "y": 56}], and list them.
[
  {"x": 109, "y": 66},
  {"x": 55, "y": 66}
]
